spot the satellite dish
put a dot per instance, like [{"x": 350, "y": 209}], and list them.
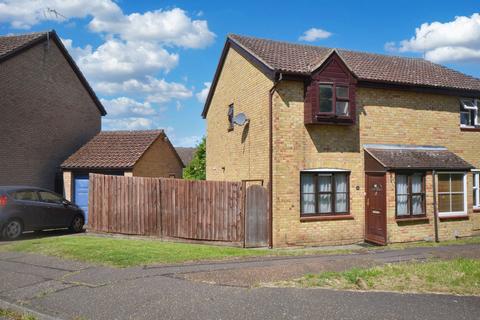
[{"x": 240, "y": 119}]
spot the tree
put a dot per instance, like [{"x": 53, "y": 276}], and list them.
[{"x": 196, "y": 168}]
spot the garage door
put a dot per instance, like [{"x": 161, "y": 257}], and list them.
[{"x": 81, "y": 194}]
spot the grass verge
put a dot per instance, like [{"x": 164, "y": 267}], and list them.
[
  {"x": 459, "y": 276},
  {"x": 13, "y": 315}
]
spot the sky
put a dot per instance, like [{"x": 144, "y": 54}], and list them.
[{"x": 152, "y": 62}]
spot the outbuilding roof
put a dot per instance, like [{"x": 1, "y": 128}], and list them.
[
  {"x": 416, "y": 157},
  {"x": 186, "y": 154},
  {"x": 112, "y": 150},
  {"x": 11, "y": 45}
]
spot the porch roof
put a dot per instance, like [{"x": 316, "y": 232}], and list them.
[{"x": 416, "y": 157}]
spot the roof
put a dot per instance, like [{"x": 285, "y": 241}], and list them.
[
  {"x": 112, "y": 150},
  {"x": 299, "y": 59},
  {"x": 186, "y": 154},
  {"x": 12, "y": 45},
  {"x": 416, "y": 157}
]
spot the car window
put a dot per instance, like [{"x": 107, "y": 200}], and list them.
[
  {"x": 50, "y": 197},
  {"x": 26, "y": 195}
]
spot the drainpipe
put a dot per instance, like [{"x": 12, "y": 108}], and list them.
[
  {"x": 435, "y": 214},
  {"x": 270, "y": 156}
]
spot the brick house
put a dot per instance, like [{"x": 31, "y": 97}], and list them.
[
  {"x": 353, "y": 146},
  {"x": 130, "y": 153},
  {"x": 48, "y": 109}
]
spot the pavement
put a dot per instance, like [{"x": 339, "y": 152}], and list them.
[{"x": 64, "y": 289}]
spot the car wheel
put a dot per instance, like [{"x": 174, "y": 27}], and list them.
[
  {"x": 12, "y": 230},
  {"x": 77, "y": 224}
]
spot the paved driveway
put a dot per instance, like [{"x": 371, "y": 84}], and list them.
[{"x": 68, "y": 289}]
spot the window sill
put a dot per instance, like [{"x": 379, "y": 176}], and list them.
[
  {"x": 460, "y": 217},
  {"x": 474, "y": 129},
  {"x": 416, "y": 219},
  {"x": 476, "y": 209},
  {"x": 327, "y": 218}
]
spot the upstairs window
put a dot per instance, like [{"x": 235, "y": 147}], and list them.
[
  {"x": 325, "y": 193},
  {"x": 469, "y": 112},
  {"x": 230, "y": 117},
  {"x": 334, "y": 100}
]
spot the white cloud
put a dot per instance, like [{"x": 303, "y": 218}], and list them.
[
  {"x": 128, "y": 124},
  {"x": 189, "y": 141},
  {"x": 456, "y": 40},
  {"x": 118, "y": 60},
  {"x": 127, "y": 107},
  {"x": 314, "y": 34},
  {"x": 202, "y": 95}
]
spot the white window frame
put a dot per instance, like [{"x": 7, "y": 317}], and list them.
[
  {"x": 476, "y": 189},
  {"x": 465, "y": 208},
  {"x": 468, "y": 108}
]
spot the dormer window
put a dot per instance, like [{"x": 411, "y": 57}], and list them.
[
  {"x": 333, "y": 100},
  {"x": 469, "y": 112}
]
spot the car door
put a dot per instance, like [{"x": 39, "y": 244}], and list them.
[
  {"x": 57, "y": 214},
  {"x": 29, "y": 208}
]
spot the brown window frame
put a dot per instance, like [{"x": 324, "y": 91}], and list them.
[
  {"x": 332, "y": 192},
  {"x": 334, "y": 86},
  {"x": 410, "y": 195},
  {"x": 230, "y": 115}
]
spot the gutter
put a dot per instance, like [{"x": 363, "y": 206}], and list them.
[{"x": 270, "y": 156}]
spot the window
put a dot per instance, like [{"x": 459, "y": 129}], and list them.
[
  {"x": 230, "y": 117},
  {"x": 451, "y": 194},
  {"x": 26, "y": 195},
  {"x": 334, "y": 99},
  {"x": 476, "y": 190},
  {"x": 50, "y": 197},
  {"x": 324, "y": 193},
  {"x": 469, "y": 112},
  {"x": 410, "y": 195}
]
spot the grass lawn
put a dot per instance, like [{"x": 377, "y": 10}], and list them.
[
  {"x": 12, "y": 315},
  {"x": 125, "y": 252},
  {"x": 460, "y": 276}
]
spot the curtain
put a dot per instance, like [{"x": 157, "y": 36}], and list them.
[
  {"x": 341, "y": 192},
  {"x": 325, "y": 200},
  {"x": 308, "y": 195},
  {"x": 417, "y": 201},
  {"x": 402, "y": 195}
]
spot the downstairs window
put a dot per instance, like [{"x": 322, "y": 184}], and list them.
[
  {"x": 324, "y": 193},
  {"x": 452, "y": 197},
  {"x": 476, "y": 190},
  {"x": 410, "y": 195}
]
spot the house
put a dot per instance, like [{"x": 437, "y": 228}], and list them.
[
  {"x": 129, "y": 153},
  {"x": 353, "y": 146},
  {"x": 48, "y": 109},
  {"x": 186, "y": 154}
]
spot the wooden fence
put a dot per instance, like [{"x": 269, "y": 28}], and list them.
[{"x": 201, "y": 210}]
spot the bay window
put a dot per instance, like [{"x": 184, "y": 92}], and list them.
[
  {"x": 452, "y": 198},
  {"x": 410, "y": 195},
  {"x": 334, "y": 100},
  {"x": 324, "y": 193}
]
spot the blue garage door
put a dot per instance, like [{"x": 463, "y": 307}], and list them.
[{"x": 81, "y": 194}]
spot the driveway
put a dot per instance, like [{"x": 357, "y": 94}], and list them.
[{"x": 220, "y": 290}]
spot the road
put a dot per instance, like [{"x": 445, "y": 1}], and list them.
[{"x": 219, "y": 290}]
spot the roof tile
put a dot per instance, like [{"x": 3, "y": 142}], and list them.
[{"x": 9, "y": 44}]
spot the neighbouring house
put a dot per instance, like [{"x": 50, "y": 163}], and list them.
[
  {"x": 48, "y": 110},
  {"x": 186, "y": 154},
  {"x": 129, "y": 153},
  {"x": 363, "y": 146}
]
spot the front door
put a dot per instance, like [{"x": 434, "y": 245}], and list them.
[{"x": 376, "y": 208}]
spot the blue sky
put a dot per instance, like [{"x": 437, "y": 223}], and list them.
[{"x": 149, "y": 61}]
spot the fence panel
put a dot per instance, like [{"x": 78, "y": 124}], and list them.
[{"x": 201, "y": 210}]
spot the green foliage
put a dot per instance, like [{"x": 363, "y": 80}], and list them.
[{"x": 196, "y": 169}]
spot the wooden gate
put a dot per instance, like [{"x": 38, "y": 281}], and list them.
[{"x": 256, "y": 216}]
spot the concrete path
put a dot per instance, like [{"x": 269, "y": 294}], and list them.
[{"x": 220, "y": 290}]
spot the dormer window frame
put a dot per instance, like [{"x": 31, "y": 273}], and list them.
[{"x": 335, "y": 99}]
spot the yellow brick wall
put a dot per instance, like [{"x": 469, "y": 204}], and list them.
[
  {"x": 160, "y": 160},
  {"x": 241, "y": 153},
  {"x": 383, "y": 116}
]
